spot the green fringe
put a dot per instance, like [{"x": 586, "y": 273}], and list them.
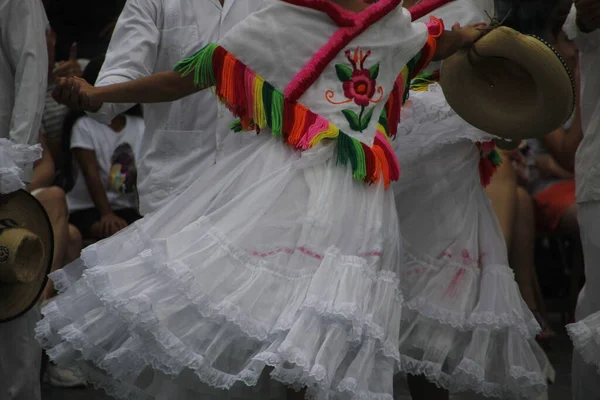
[
  {"x": 361, "y": 171},
  {"x": 277, "y": 113},
  {"x": 495, "y": 157},
  {"x": 345, "y": 151},
  {"x": 201, "y": 65},
  {"x": 236, "y": 126},
  {"x": 383, "y": 119}
]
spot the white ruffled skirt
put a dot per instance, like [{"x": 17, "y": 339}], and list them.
[
  {"x": 273, "y": 258},
  {"x": 13, "y": 159},
  {"x": 465, "y": 326},
  {"x": 585, "y": 335}
]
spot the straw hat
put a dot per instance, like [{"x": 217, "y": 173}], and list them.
[
  {"x": 26, "y": 252},
  {"x": 511, "y": 85}
]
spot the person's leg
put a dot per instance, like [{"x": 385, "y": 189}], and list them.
[
  {"x": 75, "y": 245},
  {"x": 503, "y": 193},
  {"x": 421, "y": 389},
  {"x": 521, "y": 251},
  {"x": 55, "y": 203},
  {"x": 585, "y": 378},
  {"x": 20, "y": 358},
  {"x": 522, "y": 259}
]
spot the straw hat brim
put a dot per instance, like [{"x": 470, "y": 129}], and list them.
[
  {"x": 508, "y": 84},
  {"x": 28, "y": 213}
]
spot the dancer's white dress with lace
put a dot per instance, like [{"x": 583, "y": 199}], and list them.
[
  {"x": 14, "y": 158},
  {"x": 465, "y": 325},
  {"x": 585, "y": 335},
  {"x": 274, "y": 257}
]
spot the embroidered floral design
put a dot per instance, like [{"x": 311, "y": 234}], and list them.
[{"x": 360, "y": 85}]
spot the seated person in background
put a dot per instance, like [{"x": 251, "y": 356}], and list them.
[
  {"x": 67, "y": 241},
  {"x": 552, "y": 183},
  {"x": 102, "y": 196},
  {"x": 67, "y": 245}
]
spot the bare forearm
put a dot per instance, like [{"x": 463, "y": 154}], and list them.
[
  {"x": 98, "y": 193},
  {"x": 158, "y": 88}
]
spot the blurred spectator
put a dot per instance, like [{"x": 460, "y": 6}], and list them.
[
  {"x": 23, "y": 64},
  {"x": 54, "y": 113},
  {"x": 102, "y": 195}
]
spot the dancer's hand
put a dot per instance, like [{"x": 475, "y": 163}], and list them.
[
  {"x": 76, "y": 93},
  {"x": 471, "y": 33}
]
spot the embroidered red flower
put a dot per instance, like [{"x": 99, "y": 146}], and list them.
[
  {"x": 360, "y": 87},
  {"x": 359, "y": 84}
]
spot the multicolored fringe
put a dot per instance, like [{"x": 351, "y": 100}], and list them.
[
  {"x": 258, "y": 105},
  {"x": 390, "y": 117},
  {"x": 489, "y": 161}
]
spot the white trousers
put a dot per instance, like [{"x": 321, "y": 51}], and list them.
[
  {"x": 20, "y": 358},
  {"x": 585, "y": 378}
]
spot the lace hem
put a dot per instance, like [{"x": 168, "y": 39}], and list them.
[
  {"x": 165, "y": 352},
  {"x": 584, "y": 343},
  {"x": 468, "y": 319},
  {"x": 470, "y": 376}
]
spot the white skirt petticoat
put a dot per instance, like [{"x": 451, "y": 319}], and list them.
[
  {"x": 465, "y": 326},
  {"x": 585, "y": 335},
  {"x": 13, "y": 160},
  {"x": 272, "y": 258}
]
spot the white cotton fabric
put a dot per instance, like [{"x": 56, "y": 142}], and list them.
[
  {"x": 14, "y": 158},
  {"x": 391, "y": 51},
  {"x": 465, "y": 325},
  {"x": 186, "y": 137},
  {"x": 587, "y": 164},
  {"x": 271, "y": 258}
]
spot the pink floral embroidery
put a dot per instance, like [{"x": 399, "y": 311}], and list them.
[{"x": 466, "y": 257}]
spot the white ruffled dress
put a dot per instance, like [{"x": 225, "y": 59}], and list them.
[
  {"x": 465, "y": 326},
  {"x": 14, "y": 158},
  {"x": 585, "y": 335},
  {"x": 273, "y": 258}
]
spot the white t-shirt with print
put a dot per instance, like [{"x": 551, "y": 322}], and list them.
[{"x": 116, "y": 153}]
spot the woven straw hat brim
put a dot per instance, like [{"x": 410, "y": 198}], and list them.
[
  {"x": 510, "y": 85},
  {"x": 28, "y": 213}
]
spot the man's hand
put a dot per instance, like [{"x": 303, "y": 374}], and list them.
[
  {"x": 68, "y": 68},
  {"x": 588, "y": 15},
  {"x": 76, "y": 93}
]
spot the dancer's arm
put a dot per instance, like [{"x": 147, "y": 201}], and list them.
[{"x": 158, "y": 88}]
